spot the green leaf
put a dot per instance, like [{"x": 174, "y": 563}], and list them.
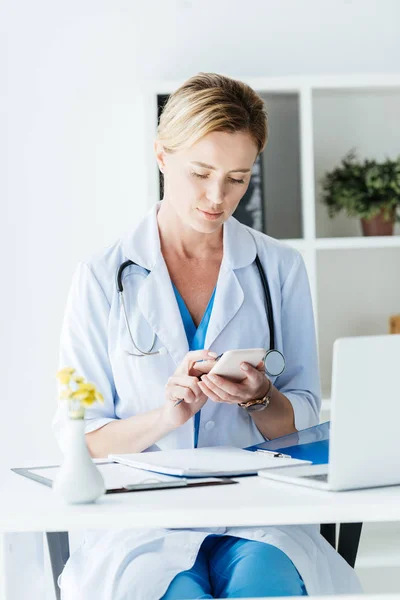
[{"x": 362, "y": 189}]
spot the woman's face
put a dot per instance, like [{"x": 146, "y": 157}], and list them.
[{"x": 204, "y": 184}]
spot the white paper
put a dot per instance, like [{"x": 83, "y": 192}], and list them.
[{"x": 203, "y": 462}]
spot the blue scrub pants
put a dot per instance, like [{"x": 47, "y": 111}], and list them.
[{"x": 231, "y": 567}]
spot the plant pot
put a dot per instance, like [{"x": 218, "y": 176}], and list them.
[
  {"x": 378, "y": 225},
  {"x": 78, "y": 481}
]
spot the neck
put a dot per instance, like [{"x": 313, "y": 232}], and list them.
[{"x": 184, "y": 241}]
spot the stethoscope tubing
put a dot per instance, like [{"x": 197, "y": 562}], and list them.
[{"x": 272, "y": 353}]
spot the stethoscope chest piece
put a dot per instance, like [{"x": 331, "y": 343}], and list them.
[{"x": 274, "y": 363}]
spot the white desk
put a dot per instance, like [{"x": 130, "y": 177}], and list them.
[{"x": 27, "y": 506}]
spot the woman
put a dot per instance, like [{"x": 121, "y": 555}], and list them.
[{"x": 195, "y": 289}]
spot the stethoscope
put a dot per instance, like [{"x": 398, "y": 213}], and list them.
[{"x": 274, "y": 360}]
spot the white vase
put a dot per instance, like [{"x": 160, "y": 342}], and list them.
[{"x": 78, "y": 481}]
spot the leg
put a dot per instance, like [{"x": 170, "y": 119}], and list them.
[
  {"x": 243, "y": 568},
  {"x": 194, "y": 583}
]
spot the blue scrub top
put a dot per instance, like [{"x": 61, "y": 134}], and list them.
[{"x": 196, "y": 339}]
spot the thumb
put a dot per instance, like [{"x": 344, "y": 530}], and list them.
[
  {"x": 196, "y": 355},
  {"x": 251, "y": 372}
]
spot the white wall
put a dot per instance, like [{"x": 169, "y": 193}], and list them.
[{"x": 73, "y": 169}]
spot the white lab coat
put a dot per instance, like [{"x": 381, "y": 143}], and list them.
[{"x": 115, "y": 565}]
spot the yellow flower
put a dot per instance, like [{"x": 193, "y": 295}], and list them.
[
  {"x": 79, "y": 393},
  {"x": 64, "y": 375},
  {"x": 87, "y": 394}
]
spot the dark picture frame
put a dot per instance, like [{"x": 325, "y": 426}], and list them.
[{"x": 251, "y": 208}]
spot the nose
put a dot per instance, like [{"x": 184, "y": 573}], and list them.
[{"x": 216, "y": 192}]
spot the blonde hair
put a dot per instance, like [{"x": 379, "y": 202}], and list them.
[{"x": 210, "y": 102}]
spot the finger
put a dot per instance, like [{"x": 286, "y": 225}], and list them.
[
  {"x": 213, "y": 395},
  {"x": 192, "y": 357},
  {"x": 217, "y": 391},
  {"x": 261, "y": 366},
  {"x": 204, "y": 366},
  {"x": 184, "y": 381},
  {"x": 230, "y": 387},
  {"x": 252, "y": 373},
  {"x": 196, "y": 355},
  {"x": 178, "y": 392}
]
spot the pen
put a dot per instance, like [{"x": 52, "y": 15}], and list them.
[
  {"x": 274, "y": 454},
  {"x": 178, "y": 402}
]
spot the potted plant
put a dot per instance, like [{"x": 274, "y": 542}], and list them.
[
  {"x": 78, "y": 480},
  {"x": 369, "y": 190}
]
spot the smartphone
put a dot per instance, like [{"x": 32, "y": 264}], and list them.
[{"x": 228, "y": 364}]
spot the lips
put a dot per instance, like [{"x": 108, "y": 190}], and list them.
[{"x": 208, "y": 212}]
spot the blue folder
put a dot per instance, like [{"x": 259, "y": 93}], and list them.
[{"x": 307, "y": 444}]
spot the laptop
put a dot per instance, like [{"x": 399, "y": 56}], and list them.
[{"x": 364, "y": 445}]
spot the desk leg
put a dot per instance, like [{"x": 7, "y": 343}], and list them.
[
  {"x": 349, "y": 538},
  {"x": 22, "y": 566}
]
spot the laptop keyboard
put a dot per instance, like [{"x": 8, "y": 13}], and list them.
[{"x": 322, "y": 477}]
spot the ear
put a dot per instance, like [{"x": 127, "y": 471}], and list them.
[{"x": 160, "y": 155}]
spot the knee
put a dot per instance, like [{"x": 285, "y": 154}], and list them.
[
  {"x": 264, "y": 570},
  {"x": 277, "y": 573}
]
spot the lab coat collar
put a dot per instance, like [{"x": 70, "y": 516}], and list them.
[
  {"x": 156, "y": 297},
  {"x": 143, "y": 246}
]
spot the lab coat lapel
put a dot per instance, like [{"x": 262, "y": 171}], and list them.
[
  {"x": 156, "y": 297},
  {"x": 239, "y": 251},
  {"x": 158, "y": 304}
]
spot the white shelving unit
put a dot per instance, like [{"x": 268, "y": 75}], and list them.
[{"x": 355, "y": 280}]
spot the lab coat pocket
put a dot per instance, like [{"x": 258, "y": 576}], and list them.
[
  {"x": 137, "y": 336},
  {"x": 141, "y": 378}
]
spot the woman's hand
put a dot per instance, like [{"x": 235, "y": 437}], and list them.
[
  {"x": 220, "y": 389},
  {"x": 184, "y": 385}
]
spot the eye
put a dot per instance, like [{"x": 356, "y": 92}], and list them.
[
  {"x": 198, "y": 175},
  {"x": 236, "y": 180},
  {"x": 231, "y": 179}
]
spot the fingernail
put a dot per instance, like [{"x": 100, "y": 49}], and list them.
[
  {"x": 213, "y": 354},
  {"x": 244, "y": 367}
]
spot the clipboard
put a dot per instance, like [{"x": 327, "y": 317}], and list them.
[
  {"x": 150, "y": 481},
  {"x": 208, "y": 461},
  {"x": 310, "y": 444}
]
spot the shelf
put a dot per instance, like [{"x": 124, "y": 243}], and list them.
[
  {"x": 357, "y": 292},
  {"x": 281, "y": 168},
  {"x": 357, "y": 242},
  {"x": 299, "y": 244},
  {"x": 345, "y": 243},
  {"x": 362, "y": 119},
  {"x": 295, "y": 83}
]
